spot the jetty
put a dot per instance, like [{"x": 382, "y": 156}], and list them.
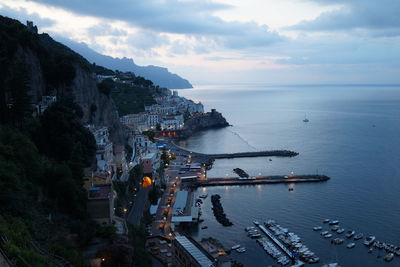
[
  {"x": 252, "y": 154},
  {"x": 222, "y": 181},
  {"x": 277, "y": 242}
]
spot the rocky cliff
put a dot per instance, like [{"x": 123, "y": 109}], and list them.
[
  {"x": 205, "y": 121},
  {"x": 50, "y": 68}
]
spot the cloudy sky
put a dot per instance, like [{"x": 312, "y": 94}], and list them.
[{"x": 219, "y": 41}]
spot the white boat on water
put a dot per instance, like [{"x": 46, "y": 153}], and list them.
[
  {"x": 235, "y": 247},
  {"x": 369, "y": 240},
  {"x": 203, "y": 196},
  {"x": 241, "y": 250},
  {"x": 351, "y": 245},
  {"x": 305, "y": 119},
  {"x": 317, "y": 228},
  {"x": 256, "y": 222},
  {"x": 334, "y": 222}
]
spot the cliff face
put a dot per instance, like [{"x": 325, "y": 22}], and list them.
[
  {"x": 50, "y": 68},
  {"x": 208, "y": 120}
]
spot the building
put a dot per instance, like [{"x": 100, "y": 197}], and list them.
[
  {"x": 104, "y": 149},
  {"x": 151, "y": 163},
  {"x": 120, "y": 161},
  {"x": 184, "y": 210},
  {"x": 187, "y": 253},
  {"x": 100, "y": 204}
]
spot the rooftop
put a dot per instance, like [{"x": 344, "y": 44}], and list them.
[
  {"x": 195, "y": 252},
  {"x": 180, "y": 203},
  {"x": 149, "y": 156},
  {"x": 99, "y": 192}
]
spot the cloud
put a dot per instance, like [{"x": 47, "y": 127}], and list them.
[
  {"x": 22, "y": 14},
  {"x": 376, "y": 16},
  {"x": 191, "y": 17}
]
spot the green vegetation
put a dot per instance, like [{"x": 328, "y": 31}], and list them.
[{"x": 131, "y": 98}]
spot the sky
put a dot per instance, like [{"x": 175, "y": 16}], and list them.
[{"x": 234, "y": 41}]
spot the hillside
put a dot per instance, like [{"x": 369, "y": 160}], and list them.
[
  {"x": 43, "y": 153},
  {"x": 159, "y": 75}
]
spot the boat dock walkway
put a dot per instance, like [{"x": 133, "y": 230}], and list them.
[
  {"x": 277, "y": 242},
  {"x": 271, "y": 153},
  {"x": 260, "y": 180}
]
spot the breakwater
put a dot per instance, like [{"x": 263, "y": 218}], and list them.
[
  {"x": 219, "y": 211},
  {"x": 261, "y": 180}
]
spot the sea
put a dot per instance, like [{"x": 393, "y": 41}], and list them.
[{"x": 353, "y": 136}]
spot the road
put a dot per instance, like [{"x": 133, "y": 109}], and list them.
[{"x": 136, "y": 212}]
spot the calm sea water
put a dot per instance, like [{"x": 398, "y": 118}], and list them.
[{"x": 353, "y": 136}]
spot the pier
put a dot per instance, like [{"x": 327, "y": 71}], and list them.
[
  {"x": 260, "y": 180},
  {"x": 271, "y": 153},
  {"x": 277, "y": 242}
]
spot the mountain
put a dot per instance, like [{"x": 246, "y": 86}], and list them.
[{"x": 159, "y": 75}]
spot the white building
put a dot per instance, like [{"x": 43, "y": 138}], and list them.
[{"x": 104, "y": 149}]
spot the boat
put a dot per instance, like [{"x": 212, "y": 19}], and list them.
[
  {"x": 339, "y": 231},
  {"x": 326, "y": 221},
  {"x": 256, "y": 222},
  {"x": 305, "y": 119},
  {"x": 333, "y": 222},
  {"x": 351, "y": 245},
  {"x": 241, "y": 250},
  {"x": 204, "y": 227},
  {"x": 235, "y": 247},
  {"x": 328, "y": 236},
  {"x": 337, "y": 241},
  {"x": 290, "y": 189},
  {"x": 335, "y": 228},
  {"x": 369, "y": 240},
  {"x": 334, "y": 264},
  {"x": 317, "y": 228},
  {"x": 388, "y": 257},
  {"x": 358, "y": 236},
  {"x": 324, "y": 232},
  {"x": 203, "y": 196},
  {"x": 370, "y": 250},
  {"x": 350, "y": 233},
  {"x": 257, "y": 235}
]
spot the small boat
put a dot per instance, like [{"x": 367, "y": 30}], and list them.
[
  {"x": 370, "y": 250},
  {"x": 204, "y": 227},
  {"x": 388, "y": 257},
  {"x": 337, "y": 241},
  {"x": 241, "y": 250},
  {"x": 257, "y": 235},
  {"x": 358, "y": 236},
  {"x": 270, "y": 159},
  {"x": 203, "y": 196},
  {"x": 305, "y": 119},
  {"x": 328, "y": 236},
  {"x": 350, "y": 233},
  {"x": 333, "y": 222},
  {"x": 235, "y": 247},
  {"x": 256, "y": 222},
  {"x": 324, "y": 232},
  {"x": 369, "y": 240},
  {"x": 290, "y": 189},
  {"x": 317, "y": 228},
  {"x": 335, "y": 228},
  {"x": 339, "y": 231},
  {"x": 326, "y": 221},
  {"x": 334, "y": 264},
  {"x": 351, "y": 245}
]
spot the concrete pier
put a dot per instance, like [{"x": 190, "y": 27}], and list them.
[{"x": 260, "y": 180}]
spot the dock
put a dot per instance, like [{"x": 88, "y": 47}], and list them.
[
  {"x": 277, "y": 242},
  {"x": 223, "y": 181}
]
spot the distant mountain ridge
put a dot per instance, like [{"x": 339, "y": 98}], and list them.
[{"x": 158, "y": 75}]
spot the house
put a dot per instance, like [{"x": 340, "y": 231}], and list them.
[
  {"x": 100, "y": 203},
  {"x": 151, "y": 163},
  {"x": 188, "y": 253}
]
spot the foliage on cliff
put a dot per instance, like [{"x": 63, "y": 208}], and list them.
[{"x": 41, "y": 175}]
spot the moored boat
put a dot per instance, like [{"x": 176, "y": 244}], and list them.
[
  {"x": 339, "y": 231},
  {"x": 358, "y": 236},
  {"x": 326, "y": 221},
  {"x": 328, "y": 236},
  {"x": 333, "y": 222},
  {"x": 317, "y": 228},
  {"x": 324, "y": 232},
  {"x": 241, "y": 250},
  {"x": 369, "y": 240},
  {"x": 335, "y": 228},
  {"x": 351, "y": 245},
  {"x": 235, "y": 247},
  {"x": 388, "y": 257},
  {"x": 350, "y": 233}
]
